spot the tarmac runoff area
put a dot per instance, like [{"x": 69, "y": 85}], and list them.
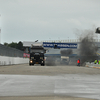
[{"x": 58, "y": 85}]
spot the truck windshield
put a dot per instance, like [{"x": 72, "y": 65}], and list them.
[{"x": 33, "y": 50}]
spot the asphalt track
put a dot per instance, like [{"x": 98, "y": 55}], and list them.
[{"x": 49, "y": 83}]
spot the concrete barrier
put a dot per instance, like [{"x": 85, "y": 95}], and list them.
[
  {"x": 92, "y": 65},
  {"x": 4, "y": 60}
]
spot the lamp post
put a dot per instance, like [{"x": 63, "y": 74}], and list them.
[
  {"x": 0, "y": 28},
  {"x": 0, "y": 35},
  {"x": 97, "y": 30}
]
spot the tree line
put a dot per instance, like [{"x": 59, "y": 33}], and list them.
[{"x": 16, "y": 45}]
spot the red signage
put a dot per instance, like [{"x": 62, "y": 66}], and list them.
[{"x": 25, "y": 55}]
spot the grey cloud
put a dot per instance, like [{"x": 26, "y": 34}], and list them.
[{"x": 30, "y": 19}]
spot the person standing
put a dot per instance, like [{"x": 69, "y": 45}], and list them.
[
  {"x": 99, "y": 62},
  {"x": 95, "y": 62},
  {"x": 78, "y": 62}
]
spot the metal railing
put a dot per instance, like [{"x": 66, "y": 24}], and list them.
[
  {"x": 68, "y": 40},
  {"x": 11, "y": 52}
]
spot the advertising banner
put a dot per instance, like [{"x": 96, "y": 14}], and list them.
[
  {"x": 59, "y": 45},
  {"x": 25, "y": 55}
]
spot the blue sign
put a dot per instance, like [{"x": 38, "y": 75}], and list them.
[{"x": 59, "y": 45}]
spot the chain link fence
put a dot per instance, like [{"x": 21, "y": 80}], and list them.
[{"x": 11, "y": 52}]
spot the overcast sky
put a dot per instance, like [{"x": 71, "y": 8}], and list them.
[{"x": 29, "y": 20}]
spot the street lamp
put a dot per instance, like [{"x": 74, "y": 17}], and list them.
[
  {"x": 97, "y": 30},
  {"x": 36, "y": 41}
]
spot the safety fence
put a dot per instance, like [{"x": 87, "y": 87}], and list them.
[
  {"x": 10, "y": 52},
  {"x": 9, "y": 56}
]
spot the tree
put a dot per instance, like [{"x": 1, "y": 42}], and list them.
[
  {"x": 20, "y": 45},
  {"x": 13, "y": 45},
  {"x": 6, "y": 44}
]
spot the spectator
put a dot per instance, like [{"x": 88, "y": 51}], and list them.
[{"x": 78, "y": 62}]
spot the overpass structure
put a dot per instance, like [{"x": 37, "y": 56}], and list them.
[{"x": 52, "y": 48}]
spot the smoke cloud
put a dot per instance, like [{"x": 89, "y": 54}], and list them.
[
  {"x": 66, "y": 52},
  {"x": 86, "y": 51},
  {"x": 56, "y": 60},
  {"x": 87, "y": 48}
]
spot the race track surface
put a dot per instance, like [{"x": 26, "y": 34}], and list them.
[{"x": 26, "y": 82}]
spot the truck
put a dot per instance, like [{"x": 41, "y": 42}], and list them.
[
  {"x": 65, "y": 60},
  {"x": 37, "y": 55}
]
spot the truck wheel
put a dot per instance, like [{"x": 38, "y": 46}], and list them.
[
  {"x": 42, "y": 64},
  {"x": 30, "y": 64}
]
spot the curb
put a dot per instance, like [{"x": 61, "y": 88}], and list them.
[
  {"x": 92, "y": 66},
  {"x": 96, "y": 67}
]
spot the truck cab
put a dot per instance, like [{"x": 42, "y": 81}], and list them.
[{"x": 37, "y": 55}]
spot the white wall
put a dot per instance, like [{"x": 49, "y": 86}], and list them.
[{"x": 12, "y": 60}]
